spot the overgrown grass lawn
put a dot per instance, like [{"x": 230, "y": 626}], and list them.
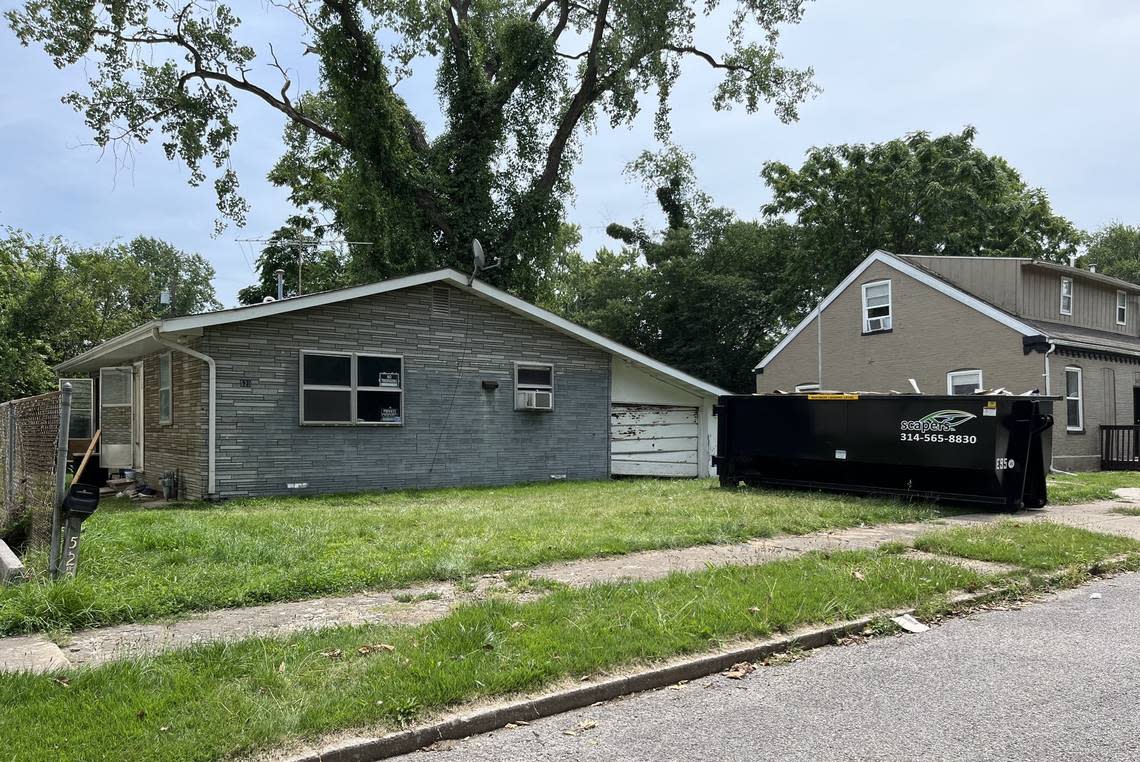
[
  {"x": 222, "y": 700},
  {"x": 1088, "y": 486},
  {"x": 138, "y": 564},
  {"x": 1038, "y": 545}
]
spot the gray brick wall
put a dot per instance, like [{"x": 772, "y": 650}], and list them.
[{"x": 262, "y": 446}]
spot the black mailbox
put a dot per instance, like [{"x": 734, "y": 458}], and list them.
[{"x": 81, "y": 500}]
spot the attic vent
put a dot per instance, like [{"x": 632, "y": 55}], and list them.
[{"x": 440, "y": 300}]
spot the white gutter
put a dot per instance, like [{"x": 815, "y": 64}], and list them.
[{"x": 212, "y": 435}]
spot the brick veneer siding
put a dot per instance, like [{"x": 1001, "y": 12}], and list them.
[
  {"x": 262, "y": 446},
  {"x": 180, "y": 445}
]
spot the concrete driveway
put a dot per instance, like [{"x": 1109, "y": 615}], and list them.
[{"x": 1056, "y": 680}]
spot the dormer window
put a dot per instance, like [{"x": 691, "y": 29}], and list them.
[
  {"x": 877, "y": 306},
  {"x": 1121, "y": 308},
  {"x": 1066, "y": 296}
]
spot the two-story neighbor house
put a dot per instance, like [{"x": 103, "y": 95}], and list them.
[{"x": 956, "y": 324}]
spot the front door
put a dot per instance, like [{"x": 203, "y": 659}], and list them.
[{"x": 137, "y": 418}]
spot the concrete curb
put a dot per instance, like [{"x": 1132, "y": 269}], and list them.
[
  {"x": 11, "y": 568},
  {"x": 546, "y": 705},
  {"x": 526, "y": 710}
]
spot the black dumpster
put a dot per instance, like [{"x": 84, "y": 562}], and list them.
[{"x": 962, "y": 449}]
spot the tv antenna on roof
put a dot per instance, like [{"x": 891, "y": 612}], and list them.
[{"x": 480, "y": 260}]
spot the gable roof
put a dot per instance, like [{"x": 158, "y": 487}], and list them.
[
  {"x": 139, "y": 341},
  {"x": 916, "y": 272}
]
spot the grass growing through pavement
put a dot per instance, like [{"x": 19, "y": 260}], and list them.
[
  {"x": 139, "y": 564},
  {"x": 229, "y": 699},
  {"x": 1038, "y": 545},
  {"x": 1088, "y": 486}
]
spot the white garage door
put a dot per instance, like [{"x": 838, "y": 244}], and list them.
[{"x": 653, "y": 440}]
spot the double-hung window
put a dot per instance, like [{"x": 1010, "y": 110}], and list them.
[
  {"x": 1121, "y": 308},
  {"x": 348, "y": 388},
  {"x": 165, "y": 389},
  {"x": 1074, "y": 400},
  {"x": 534, "y": 386},
  {"x": 877, "y": 306},
  {"x": 963, "y": 381},
  {"x": 1066, "y": 296}
]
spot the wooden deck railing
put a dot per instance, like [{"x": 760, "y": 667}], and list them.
[{"x": 1120, "y": 448}]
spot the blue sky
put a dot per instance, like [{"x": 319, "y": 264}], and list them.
[{"x": 1051, "y": 86}]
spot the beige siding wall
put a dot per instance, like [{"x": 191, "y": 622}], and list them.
[
  {"x": 994, "y": 279},
  {"x": 1094, "y": 305},
  {"x": 932, "y": 335}
]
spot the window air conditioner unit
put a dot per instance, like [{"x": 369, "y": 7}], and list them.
[
  {"x": 878, "y": 324},
  {"x": 534, "y": 400}
]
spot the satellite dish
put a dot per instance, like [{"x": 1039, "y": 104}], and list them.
[{"x": 480, "y": 258}]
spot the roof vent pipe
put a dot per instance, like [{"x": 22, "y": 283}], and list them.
[{"x": 280, "y": 284}]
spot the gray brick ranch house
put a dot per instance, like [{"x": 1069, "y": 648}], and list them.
[
  {"x": 419, "y": 381},
  {"x": 955, "y": 324}
]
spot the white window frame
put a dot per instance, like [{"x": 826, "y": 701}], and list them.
[
  {"x": 533, "y": 387},
  {"x": 1122, "y": 308},
  {"x": 1066, "y": 281},
  {"x": 807, "y": 387},
  {"x": 890, "y": 316},
  {"x": 353, "y": 388},
  {"x": 168, "y": 389},
  {"x": 952, "y": 375},
  {"x": 1079, "y": 397}
]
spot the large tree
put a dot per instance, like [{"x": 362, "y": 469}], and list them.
[
  {"x": 1115, "y": 250},
  {"x": 708, "y": 294},
  {"x": 913, "y": 195},
  {"x": 516, "y": 81}
]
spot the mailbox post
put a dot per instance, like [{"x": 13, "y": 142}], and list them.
[{"x": 81, "y": 502}]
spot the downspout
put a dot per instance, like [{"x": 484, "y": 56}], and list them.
[
  {"x": 819, "y": 347},
  {"x": 1048, "y": 387},
  {"x": 212, "y": 434}
]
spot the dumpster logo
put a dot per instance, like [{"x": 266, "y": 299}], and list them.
[{"x": 940, "y": 420}]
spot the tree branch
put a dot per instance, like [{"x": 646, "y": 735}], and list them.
[{"x": 688, "y": 49}]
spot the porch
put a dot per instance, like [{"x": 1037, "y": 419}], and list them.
[{"x": 1120, "y": 448}]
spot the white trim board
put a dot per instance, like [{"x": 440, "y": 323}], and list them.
[
  {"x": 195, "y": 323},
  {"x": 890, "y": 260}
]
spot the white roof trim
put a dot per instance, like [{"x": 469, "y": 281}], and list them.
[
  {"x": 193, "y": 323},
  {"x": 922, "y": 276}
]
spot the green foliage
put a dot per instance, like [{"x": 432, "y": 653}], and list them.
[
  {"x": 1088, "y": 486},
  {"x": 146, "y": 564},
  {"x": 58, "y": 299},
  {"x": 183, "y": 705},
  {"x": 913, "y": 195},
  {"x": 709, "y": 296},
  {"x": 514, "y": 85},
  {"x": 1115, "y": 250},
  {"x": 1039, "y": 545},
  {"x": 321, "y": 268}
]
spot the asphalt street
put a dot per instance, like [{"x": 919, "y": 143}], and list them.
[{"x": 1057, "y": 679}]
